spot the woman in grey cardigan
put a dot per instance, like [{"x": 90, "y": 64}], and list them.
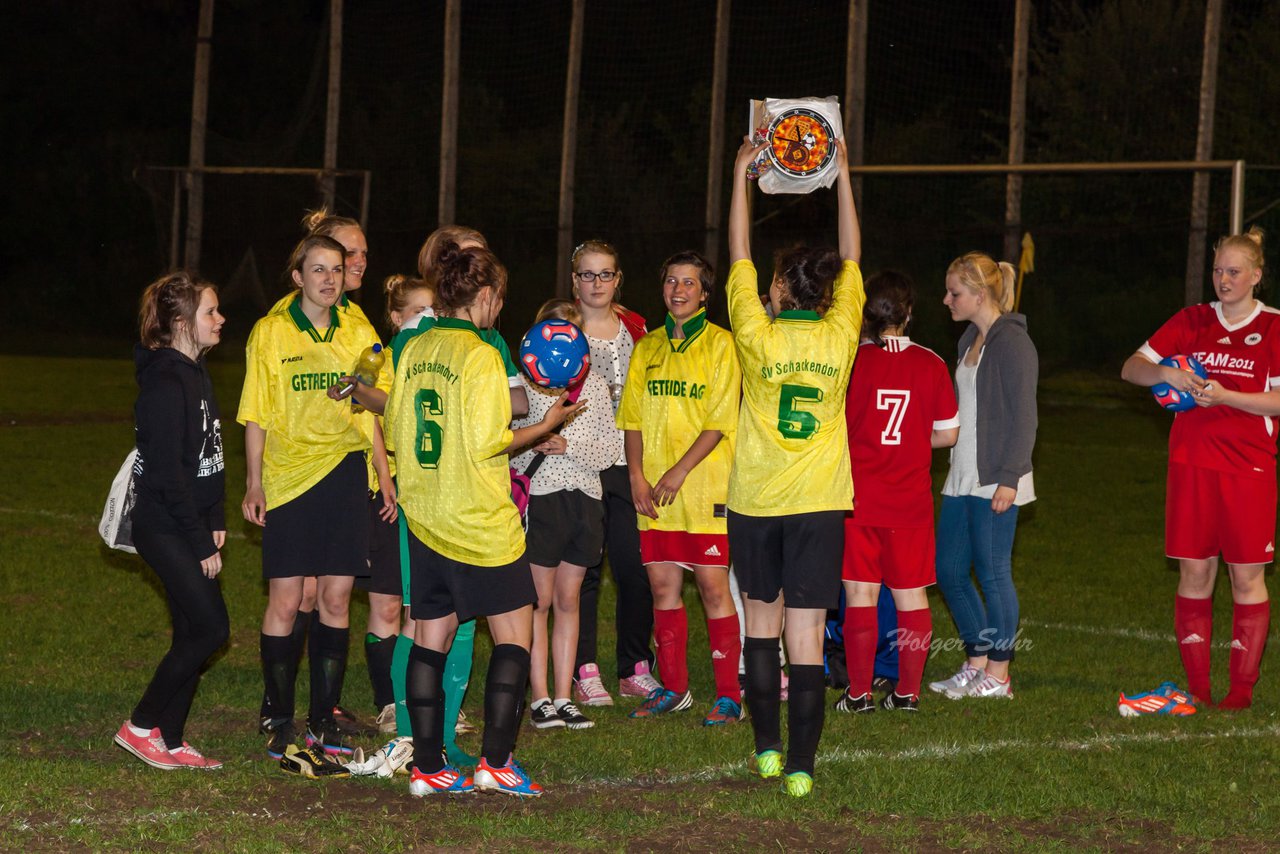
[{"x": 990, "y": 475}]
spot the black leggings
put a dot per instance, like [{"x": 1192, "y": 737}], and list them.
[
  {"x": 200, "y": 624},
  {"x": 634, "y": 612}
]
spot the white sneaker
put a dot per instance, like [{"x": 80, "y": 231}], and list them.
[
  {"x": 588, "y": 689},
  {"x": 543, "y": 715},
  {"x": 392, "y": 758},
  {"x": 990, "y": 686},
  {"x": 957, "y": 685},
  {"x": 386, "y": 719}
]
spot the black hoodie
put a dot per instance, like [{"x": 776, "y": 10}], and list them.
[{"x": 179, "y": 467}]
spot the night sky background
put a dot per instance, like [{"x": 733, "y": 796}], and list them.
[{"x": 95, "y": 93}]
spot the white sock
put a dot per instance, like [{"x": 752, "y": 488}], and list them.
[
  {"x": 561, "y": 702},
  {"x": 139, "y": 731},
  {"x": 541, "y": 701}
]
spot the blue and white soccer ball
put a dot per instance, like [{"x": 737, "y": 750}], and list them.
[
  {"x": 554, "y": 353},
  {"x": 1171, "y": 398}
]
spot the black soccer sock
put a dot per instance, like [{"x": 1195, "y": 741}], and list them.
[
  {"x": 764, "y": 685},
  {"x": 279, "y": 673},
  {"x": 377, "y": 656},
  {"x": 328, "y": 653},
  {"x": 424, "y": 699},
  {"x": 503, "y": 695},
  {"x": 806, "y": 709},
  {"x": 302, "y": 623}
]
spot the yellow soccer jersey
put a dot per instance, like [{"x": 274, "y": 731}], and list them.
[
  {"x": 290, "y": 366},
  {"x": 793, "y": 449},
  {"x": 447, "y": 420},
  {"x": 675, "y": 389},
  {"x": 345, "y": 305}
]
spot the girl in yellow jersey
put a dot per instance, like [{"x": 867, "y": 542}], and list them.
[
  {"x": 680, "y": 411},
  {"x": 791, "y": 485},
  {"x": 447, "y": 419},
  {"x": 307, "y": 485}
]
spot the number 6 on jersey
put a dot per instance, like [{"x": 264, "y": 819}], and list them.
[{"x": 427, "y": 443}]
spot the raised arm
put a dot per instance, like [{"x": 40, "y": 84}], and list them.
[
  {"x": 850, "y": 231},
  {"x": 739, "y": 206}
]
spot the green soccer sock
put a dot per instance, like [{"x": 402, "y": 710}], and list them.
[
  {"x": 399, "y": 670},
  {"x": 457, "y": 673}
]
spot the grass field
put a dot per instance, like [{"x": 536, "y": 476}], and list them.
[{"x": 1054, "y": 769}]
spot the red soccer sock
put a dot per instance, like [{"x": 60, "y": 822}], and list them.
[
  {"x": 860, "y": 627},
  {"x": 1249, "y": 625},
  {"x": 726, "y": 649},
  {"x": 1193, "y": 628},
  {"x": 915, "y": 634},
  {"x": 671, "y": 634}
]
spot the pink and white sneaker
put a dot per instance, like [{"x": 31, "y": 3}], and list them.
[
  {"x": 588, "y": 689},
  {"x": 641, "y": 684},
  {"x": 188, "y": 757},
  {"x": 150, "y": 748}
]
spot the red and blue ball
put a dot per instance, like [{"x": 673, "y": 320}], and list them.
[
  {"x": 1171, "y": 398},
  {"x": 554, "y": 353}
]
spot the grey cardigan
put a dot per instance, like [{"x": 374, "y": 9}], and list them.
[{"x": 1006, "y": 384}]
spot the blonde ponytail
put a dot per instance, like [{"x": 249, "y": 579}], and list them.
[{"x": 978, "y": 272}]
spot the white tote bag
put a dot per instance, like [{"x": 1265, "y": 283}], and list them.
[{"x": 116, "y": 526}]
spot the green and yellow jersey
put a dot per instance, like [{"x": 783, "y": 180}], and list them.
[
  {"x": 290, "y": 365},
  {"x": 793, "y": 449},
  {"x": 447, "y": 419},
  {"x": 675, "y": 389},
  {"x": 489, "y": 336},
  {"x": 345, "y": 305}
]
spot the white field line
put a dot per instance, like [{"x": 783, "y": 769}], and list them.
[
  {"x": 949, "y": 750},
  {"x": 76, "y": 518}
]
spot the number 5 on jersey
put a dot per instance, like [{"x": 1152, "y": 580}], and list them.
[
  {"x": 796, "y": 423},
  {"x": 426, "y": 403}
]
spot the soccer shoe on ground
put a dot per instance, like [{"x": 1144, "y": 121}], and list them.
[
  {"x": 391, "y": 758},
  {"x": 281, "y": 734},
  {"x": 895, "y": 702},
  {"x": 768, "y": 764},
  {"x": 660, "y": 701},
  {"x": 990, "y": 686},
  {"x": 463, "y": 726},
  {"x": 861, "y": 705},
  {"x": 1173, "y": 692},
  {"x": 350, "y": 725},
  {"x": 543, "y": 715},
  {"x": 150, "y": 748},
  {"x": 723, "y": 711},
  {"x": 588, "y": 689},
  {"x": 328, "y": 736},
  {"x": 956, "y": 685},
  {"x": 1152, "y": 703},
  {"x": 189, "y": 757},
  {"x": 386, "y": 719},
  {"x": 509, "y": 779},
  {"x": 797, "y": 784},
  {"x": 573, "y": 718},
  {"x": 640, "y": 684},
  {"x": 311, "y": 762},
  {"x": 447, "y": 781}
]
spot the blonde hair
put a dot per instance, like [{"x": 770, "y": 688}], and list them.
[
  {"x": 429, "y": 254},
  {"x": 321, "y": 221},
  {"x": 560, "y": 309},
  {"x": 1250, "y": 243},
  {"x": 597, "y": 247},
  {"x": 397, "y": 288},
  {"x": 980, "y": 273}
]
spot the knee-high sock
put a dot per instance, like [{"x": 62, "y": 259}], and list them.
[
  {"x": 671, "y": 631},
  {"x": 915, "y": 634},
  {"x": 457, "y": 673},
  {"x": 279, "y": 673},
  {"x": 860, "y": 648},
  {"x": 806, "y": 708},
  {"x": 726, "y": 649},
  {"x": 328, "y": 652},
  {"x": 377, "y": 657},
  {"x": 1248, "y": 638},
  {"x": 1193, "y": 627},
  {"x": 764, "y": 682},
  {"x": 399, "y": 668},
  {"x": 424, "y": 686},
  {"x": 503, "y": 700},
  {"x": 297, "y": 638}
]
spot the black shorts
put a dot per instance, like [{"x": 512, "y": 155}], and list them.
[
  {"x": 325, "y": 530},
  {"x": 384, "y": 553},
  {"x": 798, "y": 555},
  {"x": 440, "y": 586},
  {"x": 565, "y": 526}
]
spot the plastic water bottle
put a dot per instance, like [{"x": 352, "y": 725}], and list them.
[{"x": 366, "y": 371}]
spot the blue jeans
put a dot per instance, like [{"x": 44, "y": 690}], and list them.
[{"x": 970, "y": 534}]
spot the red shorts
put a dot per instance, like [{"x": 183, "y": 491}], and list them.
[
  {"x": 900, "y": 558},
  {"x": 684, "y": 548},
  {"x": 1208, "y": 512}
]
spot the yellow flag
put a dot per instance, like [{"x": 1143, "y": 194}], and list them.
[{"x": 1026, "y": 264}]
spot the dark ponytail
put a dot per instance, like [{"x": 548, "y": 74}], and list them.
[
  {"x": 462, "y": 273},
  {"x": 807, "y": 274},
  {"x": 890, "y": 297}
]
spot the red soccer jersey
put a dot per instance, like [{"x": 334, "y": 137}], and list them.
[
  {"x": 1242, "y": 357},
  {"x": 898, "y": 395}
]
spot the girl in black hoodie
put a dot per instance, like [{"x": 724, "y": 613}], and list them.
[{"x": 178, "y": 522}]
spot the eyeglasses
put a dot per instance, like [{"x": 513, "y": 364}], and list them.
[{"x": 589, "y": 276}]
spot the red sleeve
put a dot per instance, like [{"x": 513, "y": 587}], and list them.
[
  {"x": 633, "y": 322},
  {"x": 1175, "y": 336}
]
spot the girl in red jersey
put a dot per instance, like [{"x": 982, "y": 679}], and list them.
[
  {"x": 900, "y": 406},
  {"x": 1221, "y": 496}
]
